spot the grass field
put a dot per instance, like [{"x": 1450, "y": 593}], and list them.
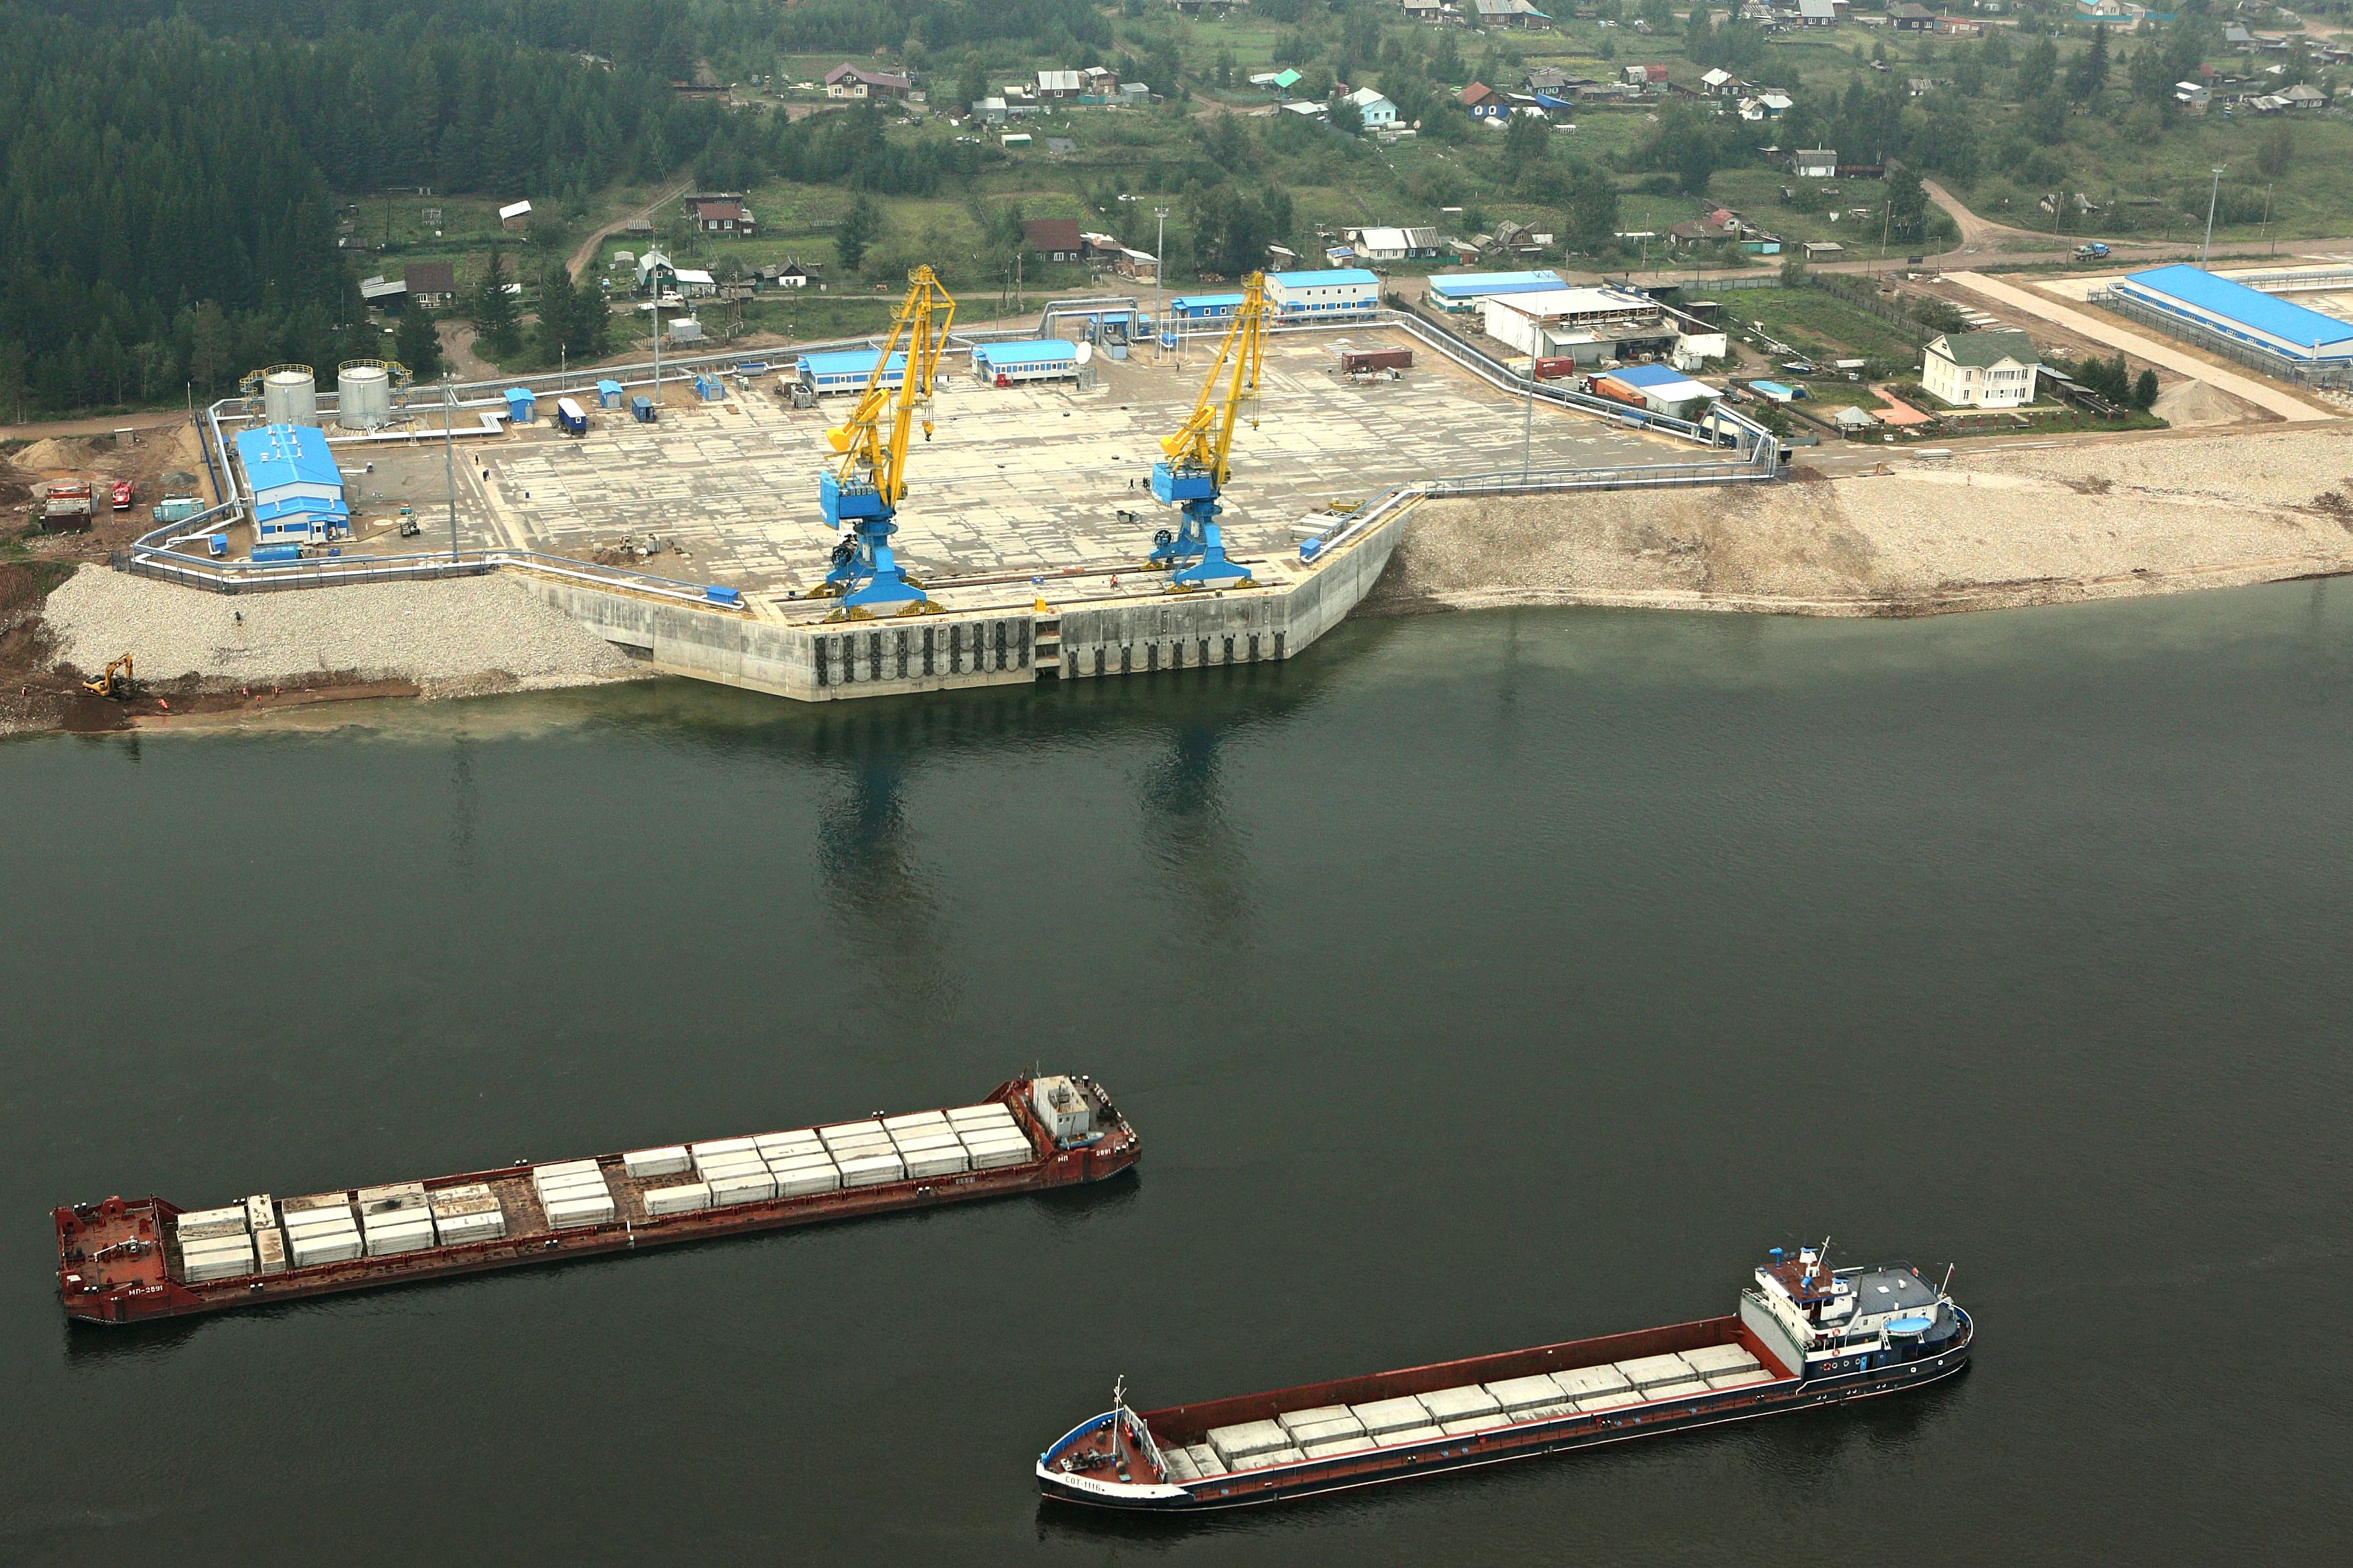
[{"x": 1820, "y": 324}]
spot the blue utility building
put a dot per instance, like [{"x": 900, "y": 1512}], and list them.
[
  {"x": 1204, "y": 307},
  {"x": 1039, "y": 359},
  {"x": 847, "y": 371},
  {"x": 1336, "y": 291},
  {"x": 297, "y": 491}
]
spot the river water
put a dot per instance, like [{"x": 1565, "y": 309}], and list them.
[{"x": 1474, "y": 982}]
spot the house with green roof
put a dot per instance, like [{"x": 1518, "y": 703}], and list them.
[{"x": 1991, "y": 369}]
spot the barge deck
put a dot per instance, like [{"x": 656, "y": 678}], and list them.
[
  {"x": 132, "y": 1260},
  {"x": 1807, "y": 1336}
]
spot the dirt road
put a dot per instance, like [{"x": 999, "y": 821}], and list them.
[
  {"x": 586, "y": 251},
  {"x": 2262, "y": 395}
]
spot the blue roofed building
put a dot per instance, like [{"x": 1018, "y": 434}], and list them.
[
  {"x": 1203, "y": 307},
  {"x": 2198, "y": 305},
  {"x": 847, "y": 370},
  {"x": 1463, "y": 290},
  {"x": 297, "y": 491},
  {"x": 1338, "y": 290},
  {"x": 1037, "y": 358}
]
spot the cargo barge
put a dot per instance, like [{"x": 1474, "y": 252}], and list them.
[
  {"x": 132, "y": 1260},
  {"x": 1805, "y": 1336}
]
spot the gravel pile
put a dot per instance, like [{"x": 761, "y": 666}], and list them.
[{"x": 470, "y": 634}]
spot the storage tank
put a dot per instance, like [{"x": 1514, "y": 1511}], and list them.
[
  {"x": 363, "y": 396},
  {"x": 290, "y": 395}
]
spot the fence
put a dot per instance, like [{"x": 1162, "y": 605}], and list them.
[
  {"x": 2278, "y": 366},
  {"x": 1865, "y": 297},
  {"x": 153, "y": 555}
]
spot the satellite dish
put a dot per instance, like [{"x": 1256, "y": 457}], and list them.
[{"x": 1086, "y": 351}]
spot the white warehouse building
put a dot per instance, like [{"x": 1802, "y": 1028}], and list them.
[{"x": 1338, "y": 290}]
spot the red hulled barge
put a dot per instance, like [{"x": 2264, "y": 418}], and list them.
[
  {"x": 1806, "y": 1335},
  {"x": 136, "y": 1259}
]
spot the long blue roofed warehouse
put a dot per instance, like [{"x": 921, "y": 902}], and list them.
[{"x": 2199, "y": 300}]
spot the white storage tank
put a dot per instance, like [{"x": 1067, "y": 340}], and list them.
[
  {"x": 363, "y": 396},
  {"x": 290, "y": 395}
]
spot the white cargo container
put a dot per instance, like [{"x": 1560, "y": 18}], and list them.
[
  {"x": 269, "y": 1250},
  {"x": 312, "y": 1220},
  {"x": 718, "y": 1146},
  {"x": 1332, "y": 1447},
  {"x": 224, "y": 1257},
  {"x": 1291, "y": 1421},
  {"x": 1246, "y": 1438},
  {"x": 1688, "y": 1388},
  {"x": 1709, "y": 1360},
  {"x": 1315, "y": 1432},
  {"x": 203, "y": 1224},
  {"x": 314, "y": 1204},
  {"x": 565, "y": 1214},
  {"x": 260, "y": 1213},
  {"x": 742, "y": 1187},
  {"x": 1205, "y": 1459},
  {"x": 312, "y": 1248},
  {"x": 393, "y": 1197},
  {"x": 799, "y": 1181},
  {"x": 563, "y": 1168},
  {"x": 683, "y": 1199},
  {"x": 995, "y": 1110},
  {"x": 571, "y": 1186},
  {"x": 1402, "y": 1437},
  {"x": 1519, "y": 1393},
  {"x": 997, "y": 1156},
  {"x": 1644, "y": 1371},
  {"x": 925, "y": 1143},
  {"x": 1609, "y": 1399},
  {"x": 871, "y": 1170},
  {"x": 1446, "y": 1404},
  {"x": 1586, "y": 1380},
  {"x": 771, "y": 1145},
  {"x": 914, "y": 1121},
  {"x": 1267, "y": 1461},
  {"x": 1545, "y": 1412},
  {"x": 853, "y": 1133},
  {"x": 406, "y": 1236},
  {"x": 458, "y": 1229},
  {"x": 924, "y": 1164},
  {"x": 1391, "y": 1414},
  {"x": 1753, "y": 1375},
  {"x": 643, "y": 1163}
]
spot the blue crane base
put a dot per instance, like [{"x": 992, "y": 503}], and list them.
[
  {"x": 866, "y": 574},
  {"x": 1195, "y": 555}
]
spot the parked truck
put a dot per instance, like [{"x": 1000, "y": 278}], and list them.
[{"x": 68, "y": 507}]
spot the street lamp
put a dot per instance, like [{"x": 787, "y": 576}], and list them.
[
  {"x": 2210, "y": 196},
  {"x": 1160, "y": 276}
]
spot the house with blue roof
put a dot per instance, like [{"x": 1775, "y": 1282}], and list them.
[
  {"x": 2196, "y": 299},
  {"x": 1204, "y": 307},
  {"x": 847, "y": 371},
  {"x": 1331, "y": 291},
  {"x": 296, "y": 488},
  {"x": 1035, "y": 358}
]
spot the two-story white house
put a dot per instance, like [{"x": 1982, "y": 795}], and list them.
[{"x": 1993, "y": 369}]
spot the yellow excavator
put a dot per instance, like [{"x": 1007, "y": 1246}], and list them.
[
  {"x": 861, "y": 497},
  {"x": 115, "y": 682},
  {"x": 1200, "y": 453}
]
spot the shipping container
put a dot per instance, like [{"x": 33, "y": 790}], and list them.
[
  {"x": 643, "y": 1163},
  {"x": 870, "y": 1170},
  {"x": 269, "y": 1250},
  {"x": 928, "y": 1164},
  {"x": 1355, "y": 361},
  {"x": 1391, "y": 1414},
  {"x": 308, "y": 1249},
  {"x": 684, "y": 1199},
  {"x": 197, "y": 1224},
  {"x": 481, "y": 1225},
  {"x": 754, "y": 1186},
  {"x": 566, "y": 1212},
  {"x": 1646, "y": 1371},
  {"x": 1519, "y": 1393},
  {"x": 260, "y": 1213},
  {"x": 799, "y": 1181},
  {"x": 1446, "y": 1404}
]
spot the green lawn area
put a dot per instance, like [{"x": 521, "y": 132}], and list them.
[{"x": 1819, "y": 324}]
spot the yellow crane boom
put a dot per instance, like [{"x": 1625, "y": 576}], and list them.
[
  {"x": 1200, "y": 451},
  {"x": 865, "y": 492}
]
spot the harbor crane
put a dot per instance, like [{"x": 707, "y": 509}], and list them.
[
  {"x": 863, "y": 496},
  {"x": 1201, "y": 452}
]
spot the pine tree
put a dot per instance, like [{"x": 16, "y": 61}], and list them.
[
  {"x": 860, "y": 227},
  {"x": 495, "y": 311},
  {"x": 418, "y": 344},
  {"x": 2145, "y": 391}
]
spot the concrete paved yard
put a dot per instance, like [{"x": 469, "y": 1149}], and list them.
[{"x": 1014, "y": 482}]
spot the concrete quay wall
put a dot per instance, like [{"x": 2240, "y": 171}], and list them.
[{"x": 835, "y": 661}]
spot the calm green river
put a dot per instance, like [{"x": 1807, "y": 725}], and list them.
[{"x": 1473, "y": 981}]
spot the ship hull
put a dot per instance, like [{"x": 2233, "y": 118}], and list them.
[
  {"x": 1501, "y": 1445},
  {"x": 144, "y": 1288}
]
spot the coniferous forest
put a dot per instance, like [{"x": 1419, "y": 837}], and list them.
[{"x": 167, "y": 171}]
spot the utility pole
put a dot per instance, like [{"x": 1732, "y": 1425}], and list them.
[
  {"x": 450, "y": 451},
  {"x": 1529, "y": 417},
  {"x": 2210, "y": 196},
  {"x": 1160, "y": 281}
]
